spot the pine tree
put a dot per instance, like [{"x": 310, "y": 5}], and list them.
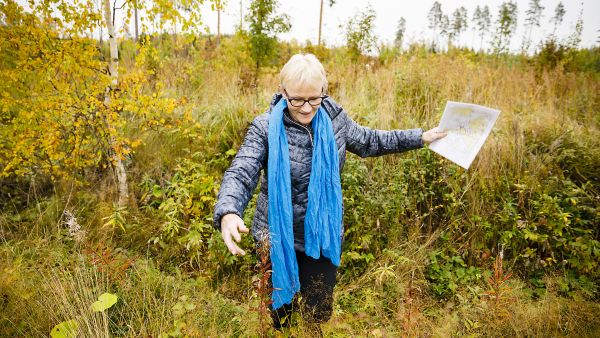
[
  {"x": 575, "y": 38},
  {"x": 482, "y": 19},
  {"x": 534, "y": 15},
  {"x": 459, "y": 24},
  {"x": 557, "y": 19},
  {"x": 435, "y": 18},
  {"x": 445, "y": 27},
  {"x": 506, "y": 26},
  {"x": 400, "y": 33}
]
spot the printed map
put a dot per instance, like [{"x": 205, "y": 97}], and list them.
[{"x": 468, "y": 125}]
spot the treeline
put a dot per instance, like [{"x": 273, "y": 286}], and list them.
[{"x": 497, "y": 30}]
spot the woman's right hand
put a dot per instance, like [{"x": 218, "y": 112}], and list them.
[{"x": 231, "y": 226}]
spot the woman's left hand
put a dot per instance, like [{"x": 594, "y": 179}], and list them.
[{"x": 432, "y": 135}]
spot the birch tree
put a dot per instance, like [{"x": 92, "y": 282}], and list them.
[
  {"x": 360, "y": 37},
  {"x": 113, "y": 70},
  {"x": 265, "y": 22},
  {"x": 64, "y": 107}
]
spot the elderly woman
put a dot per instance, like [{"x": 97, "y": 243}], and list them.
[{"x": 301, "y": 143}]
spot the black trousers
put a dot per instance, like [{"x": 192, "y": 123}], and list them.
[{"x": 317, "y": 279}]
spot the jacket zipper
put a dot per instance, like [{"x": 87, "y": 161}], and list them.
[{"x": 303, "y": 127}]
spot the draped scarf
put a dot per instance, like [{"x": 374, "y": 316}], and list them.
[{"x": 323, "y": 219}]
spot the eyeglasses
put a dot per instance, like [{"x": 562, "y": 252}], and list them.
[{"x": 298, "y": 102}]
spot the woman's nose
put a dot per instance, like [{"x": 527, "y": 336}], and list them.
[{"x": 306, "y": 107}]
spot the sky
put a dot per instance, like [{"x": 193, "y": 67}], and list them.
[{"x": 304, "y": 15}]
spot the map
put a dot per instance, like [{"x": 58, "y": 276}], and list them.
[{"x": 468, "y": 125}]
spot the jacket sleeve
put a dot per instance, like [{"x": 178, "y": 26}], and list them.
[
  {"x": 240, "y": 180},
  {"x": 365, "y": 142}
]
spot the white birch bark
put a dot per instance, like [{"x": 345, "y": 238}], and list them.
[
  {"x": 320, "y": 23},
  {"x": 113, "y": 68},
  {"x": 218, "y": 3}
]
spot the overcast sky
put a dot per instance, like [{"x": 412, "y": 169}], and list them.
[{"x": 304, "y": 15}]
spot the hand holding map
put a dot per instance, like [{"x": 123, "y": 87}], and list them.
[{"x": 468, "y": 125}]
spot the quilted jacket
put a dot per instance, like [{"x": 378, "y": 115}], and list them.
[{"x": 240, "y": 180}]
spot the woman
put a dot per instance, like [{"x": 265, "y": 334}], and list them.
[{"x": 301, "y": 143}]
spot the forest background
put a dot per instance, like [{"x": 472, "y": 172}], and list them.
[{"x": 111, "y": 152}]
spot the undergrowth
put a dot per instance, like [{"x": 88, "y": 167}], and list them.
[{"x": 508, "y": 248}]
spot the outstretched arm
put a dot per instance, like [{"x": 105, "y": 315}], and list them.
[
  {"x": 239, "y": 182},
  {"x": 365, "y": 142}
]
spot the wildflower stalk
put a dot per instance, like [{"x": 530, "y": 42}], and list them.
[
  {"x": 498, "y": 290},
  {"x": 262, "y": 286}
]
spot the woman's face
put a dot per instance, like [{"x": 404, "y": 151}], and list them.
[{"x": 305, "y": 113}]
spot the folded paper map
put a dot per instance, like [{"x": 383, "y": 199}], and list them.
[{"x": 468, "y": 125}]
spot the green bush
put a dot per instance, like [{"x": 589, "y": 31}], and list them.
[
  {"x": 186, "y": 202},
  {"x": 449, "y": 273}
]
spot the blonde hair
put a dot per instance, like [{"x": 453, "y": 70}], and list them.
[{"x": 304, "y": 69}]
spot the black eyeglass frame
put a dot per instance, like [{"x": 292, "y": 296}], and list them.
[{"x": 290, "y": 99}]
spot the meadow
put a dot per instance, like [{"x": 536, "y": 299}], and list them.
[{"x": 509, "y": 247}]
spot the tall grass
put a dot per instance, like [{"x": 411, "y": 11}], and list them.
[{"x": 403, "y": 211}]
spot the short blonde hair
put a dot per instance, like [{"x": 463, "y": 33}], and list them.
[{"x": 304, "y": 69}]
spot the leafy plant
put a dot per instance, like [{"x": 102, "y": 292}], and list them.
[
  {"x": 70, "y": 328},
  {"x": 104, "y": 302},
  {"x": 186, "y": 201},
  {"x": 181, "y": 309},
  {"x": 117, "y": 218},
  {"x": 449, "y": 273},
  {"x": 66, "y": 329}
]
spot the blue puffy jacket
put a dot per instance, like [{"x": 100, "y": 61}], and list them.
[{"x": 240, "y": 180}]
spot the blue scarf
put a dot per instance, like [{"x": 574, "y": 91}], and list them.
[{"x": 323, "y": 220}]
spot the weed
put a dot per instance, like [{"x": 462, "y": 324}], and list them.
[
  {"x": 410, "y": 326},
  {"x": 111, "y": 262},
  {"x": 498, "y": 294},
  {"x": 261, "y": 283}
]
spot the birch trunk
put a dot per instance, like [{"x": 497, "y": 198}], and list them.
[
  {"x": 135, "y": 14},
  {"x": 320, "y": 23},
  {"x": 218, "y": 22},
  {"x": 101, "y": 30},
  {"x": 113, "y": 69}
]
